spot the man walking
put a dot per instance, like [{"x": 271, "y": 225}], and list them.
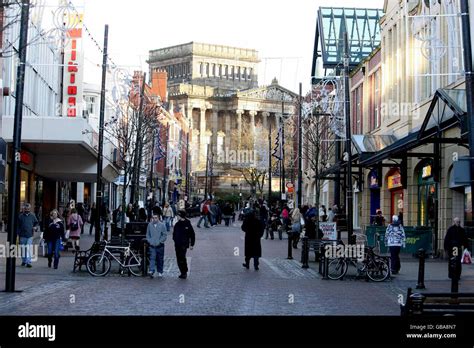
[
  {"x": 156, "y": 237},
  {"x": 454, "y": 244},
  {"x": 27, "y": 224},
  {"x": 184, "y": 238},
  {"x": 395, "y": 240}
]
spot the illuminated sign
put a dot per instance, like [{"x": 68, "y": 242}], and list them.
[
  {"x": 73, "y": 69},
  {"x": 426, "y": 173},
  {"x": 394, "y": 181}
]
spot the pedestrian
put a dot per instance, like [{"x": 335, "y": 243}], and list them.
[
  {"x": 395, "y": 240},
  {"x": 275, "y": 226},
  {"x": 330, "y": 215},
  {"x": 132, "y": 217},
  {"x": 379, "y": 220},
  {"x": 93, "y": 218},
  {"x": 253, "y": 228},
  {"x": 168, "y": 216},
  {"x": 156, "y": 237},
  {"x": 204, "y": 209},
  {"x": 296, "y": 226},
  {"x": 53, "y": 236},
  {"x": 27, "y": 225},
  {"x": 322, "y": 213},
  {"x": 74, "y": 224},
  {"x": 142, "y": 217},
  {"x": 156, "y": 210},
  {"x": 117, "y": 217},
  {"x": 81, "y": 211},
  {"x": 454, "y": 243},
  {"x": 184, "y": 238},
  {"x": 227, "y": 213}
]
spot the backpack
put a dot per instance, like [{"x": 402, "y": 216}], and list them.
[{"x": 74, "y": 225}]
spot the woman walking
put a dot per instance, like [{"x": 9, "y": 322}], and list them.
[
  {"x": 395, "y": 240},
  {"x": 53, "y": 237},
  {"x": 296, "y": 226},
  {"x": 75, "y": 223}
]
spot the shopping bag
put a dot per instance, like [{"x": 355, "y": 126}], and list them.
[
  {"x": 66, "y": 235},
  {"x": 466, "y": 257}
]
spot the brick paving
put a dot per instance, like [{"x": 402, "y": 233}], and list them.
[{"x": 217, "y": 285}]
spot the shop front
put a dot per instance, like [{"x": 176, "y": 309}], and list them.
[
  {"x": 395, "y": 187},
  {"x": 427, "y": 194},
  {"x": 374, "y": 194}
]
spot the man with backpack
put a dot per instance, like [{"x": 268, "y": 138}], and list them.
[{"x": 204, "y": 214}]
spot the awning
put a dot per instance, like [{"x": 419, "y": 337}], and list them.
[{"x": 447, "y": 109}]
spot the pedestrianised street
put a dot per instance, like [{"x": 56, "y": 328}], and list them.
[{"x": 217, "y": 284}]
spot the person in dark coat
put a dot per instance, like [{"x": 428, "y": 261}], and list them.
[
  {"x": 253, "y": 228},
  {"x": 454, "y": 244},
  {"x": 184, "y": 238},
  {"x": 53, "y": 236},
  {"x": 93, "y": 217}
]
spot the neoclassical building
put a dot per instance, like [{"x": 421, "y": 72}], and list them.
[{"x": 215, "y": 87}]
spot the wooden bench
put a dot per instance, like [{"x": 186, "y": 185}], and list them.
[
  {"x": 436, "y": 304},
  {"x": 81, "y": 256}
]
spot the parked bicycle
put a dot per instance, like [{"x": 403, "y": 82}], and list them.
[
  {"x": 373, "y": 266},
  {"x": 98, "y": 265}
]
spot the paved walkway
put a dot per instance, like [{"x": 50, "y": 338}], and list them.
[{"x": 217, "y": 285}]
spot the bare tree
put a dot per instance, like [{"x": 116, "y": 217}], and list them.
[
  {"x": 318, "y": 147},
  {"x": 253, "y": 146}
]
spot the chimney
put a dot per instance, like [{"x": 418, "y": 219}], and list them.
[{"x": 159, "y": 84}]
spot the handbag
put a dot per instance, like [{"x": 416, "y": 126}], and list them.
[
  {"x": 302, "y": 221},
  {"x": 466, "y": 257}
]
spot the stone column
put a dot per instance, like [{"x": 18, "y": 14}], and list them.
[
  {"x": 277, "y": 120},
  {"x": 202, "y": 137},
  {"x": 80, "y": 192},
  {"x": 214, "y": 129},
  {"x": 239, "y": 126},
  {"x": 252, "y": 124},
  {"x": 265, "y": 116},
  {"x": 228, "y": 132}
]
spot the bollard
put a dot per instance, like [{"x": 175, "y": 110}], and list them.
[
  {"x": 417, "y": 300},
  {"x": 305, "y": 252},
  {"x": 421, "y": 269},
  {"x": 454, "y": 265},
  {"x": 325, "y": 267},
  {"x": 290, "y": 249},
  {"x": 144, "y": 272}
]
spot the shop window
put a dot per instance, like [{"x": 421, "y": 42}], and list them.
[{"x": 427, "y": 195}]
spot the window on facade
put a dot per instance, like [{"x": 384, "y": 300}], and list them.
[
  {"x": 375, "y": 100},
  {"x": 201, "y": 69},
  {"x": 90, "y": 104},
  {"x": 357, "y": 110}
]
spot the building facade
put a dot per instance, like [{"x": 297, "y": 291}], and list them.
[{"x": 215, "y": 88}]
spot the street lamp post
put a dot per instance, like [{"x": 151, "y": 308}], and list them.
[
  {"x": 14, "y": 182},
  {"x": 100, "y": 155},
  {"x": 348, "y": 154}
]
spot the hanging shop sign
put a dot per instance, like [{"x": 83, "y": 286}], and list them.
[
  {"x": 73, "y": 69},
  {"x": 394, "y": 181},
  {"x": 426, "y": 172},
  {"x": 374, "y": 180}
]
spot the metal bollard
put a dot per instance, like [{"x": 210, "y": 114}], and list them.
[
  {"x": 453, "y": 273},
  {"x": 290, "y": 249},
  {"x": 421, "y": 269},
  {"x": 417, "y": 300},
  {"x": 325, "y": 267},
  {"x": 144, "y": 272},
  {"x": 305, "y": 252}
]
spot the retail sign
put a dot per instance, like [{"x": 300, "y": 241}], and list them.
[
  {"x": 73, "y": 68},
  {"x": 329, "y": 230},
  {"x": 373, "y": 179},
  {"x": 394, "y": 181},
  {"x": 426, "y": 172}
]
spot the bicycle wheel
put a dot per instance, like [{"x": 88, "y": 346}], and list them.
[
  {"x": 378, "y": 270},
  {"x": 337, "y": 268},
  {"x": 134, "y": 264},
  {"x": 98, "y": 265}
]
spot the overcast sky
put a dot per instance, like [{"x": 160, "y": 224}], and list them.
[{"x": 281, "y": 31}]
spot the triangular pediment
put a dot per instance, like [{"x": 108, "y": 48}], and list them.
[{"x": 273, "y": 92}]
